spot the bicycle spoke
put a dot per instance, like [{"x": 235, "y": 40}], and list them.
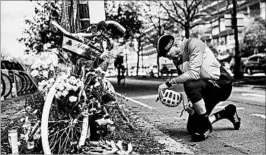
[
  {"x": 72, "y": 137},
  {"x": 70, "y": 132},
  {"x": 59, "y": 121},
  {"x": 66, "y": 137},
  {"x": 64, "y": 129},
  {"x": 75, "y": 134},
  {"x": 66, "y": 140},
  {"x": 59, "y": 145},
  {"x": 52, "y": 141},
  {"x": 59, "y": 131},
  {"x": 59, "y": 139}
]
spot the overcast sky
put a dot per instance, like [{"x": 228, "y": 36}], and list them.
[{"x": 13, "y": 14}]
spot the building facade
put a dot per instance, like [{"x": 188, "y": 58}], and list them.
[{"x": 218, "y": 29}]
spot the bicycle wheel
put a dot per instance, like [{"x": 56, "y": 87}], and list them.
[
  {"x": 63, "y": 131},
  {"x": 3, "y": 87}
]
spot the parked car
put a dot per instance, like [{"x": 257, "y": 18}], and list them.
[
  {"x": 168, "y": 69},
  {"x": 164, "y": 70},
  {"x": 255, "y": 64},
  {"x": 232, "y": 64},
  {"x": 153, "y": 71}
]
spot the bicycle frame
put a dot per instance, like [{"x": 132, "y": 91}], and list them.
[{"x": 87, "y": 96}]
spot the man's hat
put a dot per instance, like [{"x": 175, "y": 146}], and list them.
[{"x": 164, "y": 44}]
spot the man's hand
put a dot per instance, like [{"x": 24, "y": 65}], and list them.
[{"x": 162, "y": 87}]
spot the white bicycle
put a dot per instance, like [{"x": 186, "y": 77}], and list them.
[{"x": 66, "y": 118}]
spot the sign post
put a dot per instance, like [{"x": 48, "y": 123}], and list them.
[{"x": 97, "y": 12}]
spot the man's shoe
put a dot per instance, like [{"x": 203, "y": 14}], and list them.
[
  {"x": 203, "y": 128},
  {"x": 231, "y": 115},
  {"x": 196, "y": 137},
  {"x": 191, "y": 123}
]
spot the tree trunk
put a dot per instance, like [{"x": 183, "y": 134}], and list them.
[
  {"x": 137, "y": 70},
  {"x": 138, "y": 52},
  {"x": 187, "y": 32},
  {"x": 158, "y": 58},
  {"x": 158, "y": 64},
  {"x": 237, "y": 67}
]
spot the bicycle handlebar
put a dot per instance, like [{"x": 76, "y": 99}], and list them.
[
  {"x": 71, "y": 34},
  {"x": 109, "y": 22},
  {"x": 116, "y": 24}
]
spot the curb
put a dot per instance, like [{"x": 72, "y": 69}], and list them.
[{"x": 171, "y": 146}]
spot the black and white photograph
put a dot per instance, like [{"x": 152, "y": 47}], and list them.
[{"x": 107, "y": 77}]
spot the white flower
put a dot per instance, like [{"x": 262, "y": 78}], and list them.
[
  {"x": 42, "y": 83},
  {"x": 54, "y": 59},
  {"x": 96, "y": 84},
  {"x": 51, "y": 68},
  {"x": 46, "y": 62},
  {"x": 64, "y": 77},
  {"x": 40, "y": 88},
  {"x": 47, "y": 46},
  {"x": 58, "y": 94},
  {"x": 45, "y": 73},
  {"x": 72, "y": 80},
  {"x": 110, "y": 128},
  {"x": 46, "y": 17},
  {"x": 65, "y": 92},
  {"x": 37, "y": 135},
  {"x": 68, "y": 86},
  {"x": 45, "y": 65},
  {"x": 34, "y": 73},
  {"x": 75, "y": 88},
  {"x": 60, "y": 86},
  {"x": 101, "y": 121},
  {"x": 51, "y": 80},
  {"x": 55, "y": 50},
  {"x": 45, "y": 88},
  {"x": 49, "y": 85},
  {"x": 36, "y": 64},
  {"x": 28, "y": 60},
  {"x": 79, "y": 84},
  {"x": 73, "y": 98},
  {"x": 109, "y": 121}
]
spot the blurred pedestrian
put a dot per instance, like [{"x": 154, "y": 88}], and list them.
[
  {"x": 119, "y": 66},
  {"x": 123, "y": 75},
  {"x": 205, "y": 82}
]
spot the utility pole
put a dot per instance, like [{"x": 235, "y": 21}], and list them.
[
  {"x": 127, "y": 52},
  {"x": 237, "y": 67}
]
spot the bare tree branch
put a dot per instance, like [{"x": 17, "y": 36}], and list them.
[
  {"x": 197, "y": 16},
  {"x": 171, "y": 17},
  {"x": 191, "y": 4},
  {"x": 152, "y": 41},
  {"x": 194, "y": 8},
  {"x": 176, "y": 4},
  {"x": 150, "y": 17},
  {"x": 176, "y": 11},
  {"x": 186, "y": 3},
  {"x": 196, "y": 24}
]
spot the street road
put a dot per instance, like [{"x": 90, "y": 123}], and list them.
[{"x": 250, "y": 102}]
